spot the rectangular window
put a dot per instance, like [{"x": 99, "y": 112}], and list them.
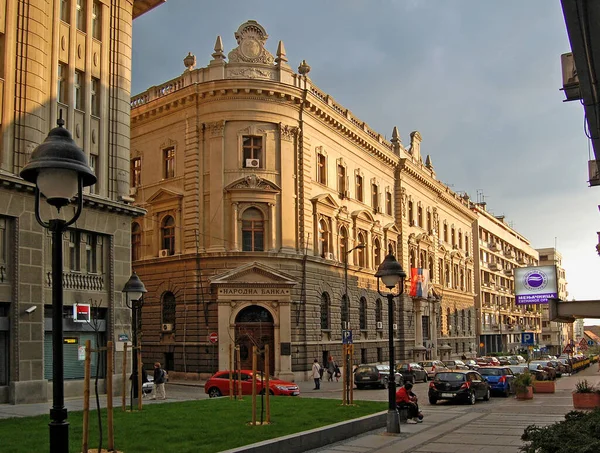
[
  {"x": 429, "y": 225},
  {"x": 90, "y": 253},
  {"x": 65, "y": 7},
  {"x": 95, "y": 95},
  {"x": 61, "y": 90},
  {"x": 96, "y": 20},
  {"x": 425, "y": 326},
  {"x": 420, "y": 216},
  {"x": 80, "y": 19},
  {"x": 252, "y": 151},
  {"x": 388, "y": 203},
  {"x": 94, "y": 167},
  {"x": 321, "y": 169},
  {"x": 3, "y": 248},
  {"x": 136, "y": 172},
  {"x": 169, "y": 163},
  {"x": 341, "y": 177},
  {"x": 359, "y": 188},
  {"x": 375, "y": 197},
  {"x": 78, "y": 90},
  {"x": 74, "y": 251},
  {"x": 379, "y": 355}
]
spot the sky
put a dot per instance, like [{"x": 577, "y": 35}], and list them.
[{"x": 478, "y": 79}]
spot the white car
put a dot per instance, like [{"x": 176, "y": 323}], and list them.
[{"x": 147, "y": 387}]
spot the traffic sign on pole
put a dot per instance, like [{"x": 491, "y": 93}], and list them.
[
  {"x": 527, "y": 338},
  {"x": 346, "y": 336},
  {"x": 568, "y": 349},
  {"x": 213, "y": 337}
]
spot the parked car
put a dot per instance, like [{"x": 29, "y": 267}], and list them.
[
  {"x": 500, "y": 378},
  {"x": 218, "y": 384},
  {"x": 374, "y": 375},
  {"x": 459, "y": 385},
  {"x": 471, "y": 364},
  {"x": 518, "y": 369},
  {"x": 487, "y": 361},
  {"x": 412, "y": 372},
  {"x": 147, "y": 387},
  {"x": 547, "y": 367},
  {"x": 566, "y": 363},
  {"x": 520, "y": 358},
  {"x": 558, "y": 366},
  {"x": 432, "y": 367},
  {"x": 538, "y": 371},
  {"x": 455, "y": 365}
]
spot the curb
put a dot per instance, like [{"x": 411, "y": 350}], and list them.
[{"x": 318, "y": 437}]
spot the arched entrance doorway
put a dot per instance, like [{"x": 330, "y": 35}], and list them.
[{"x": 254, "y": 327}]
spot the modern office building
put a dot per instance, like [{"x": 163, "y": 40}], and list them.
[
  {"x": 69, "y": 59},
  {"x": 267, "y": 201},
  {"x": 500, "y": 250}
]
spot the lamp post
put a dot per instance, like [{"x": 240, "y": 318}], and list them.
[
  {"x": 347, "y": 370},
  {"x": 59, "y": 170},
  {"x": 134, "y": 291},
  {"x": 391, "y": 273}
]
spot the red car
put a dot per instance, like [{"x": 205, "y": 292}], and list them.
[
  {"x": 218, "y": 384},
  {"x": 487, "y": 361}
]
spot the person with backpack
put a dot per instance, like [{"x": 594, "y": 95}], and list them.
[{"x": 160, "y": 377}]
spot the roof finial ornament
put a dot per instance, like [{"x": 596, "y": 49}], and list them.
[
  {"x": 304, "y": 68},
  {"x": 281, "y": 57},
  {"x": 190, "y": 61},
  {"x": 218, "y": 54},
  {"x": 396, "y": 142}
]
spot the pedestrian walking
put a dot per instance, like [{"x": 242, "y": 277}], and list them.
[
  {"x": 331, "y": 366},
  {"x": 316, "y": 374},
  {"x": 160, "y": 377},
  {"x": 405, "y": 398}
]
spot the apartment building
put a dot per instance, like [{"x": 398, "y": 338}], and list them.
[
  {"x": 63, "y": 59},
  {"x": 500, "y": 250}
]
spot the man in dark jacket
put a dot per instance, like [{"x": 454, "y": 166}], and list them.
[{"x": 160, "y": 377}]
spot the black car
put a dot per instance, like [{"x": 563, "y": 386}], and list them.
[
  {"x": 412, "y": 372},
  {"x": 376, "y": 375},
  {"x": 459, "y": 385}
]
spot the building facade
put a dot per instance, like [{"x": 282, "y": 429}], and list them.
[
  {"x": 555, "y": 335},
  {"x": 63, "y": 59},
  {"x": 267, "y": 203},
  {"x": 500, "y": 249}
]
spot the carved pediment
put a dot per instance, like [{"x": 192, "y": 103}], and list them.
[
  {"x": 250, "y": 59},
  {"x": 253, "y": 274},
  {"x": 326, "y": 200},
  {"x": 391, "y": 228},
  {"x": 363, "y": 214},
  {"x": 253, "y": 182},
  {"x": 164, "y": 195}
]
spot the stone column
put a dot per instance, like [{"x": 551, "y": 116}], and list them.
[
  {"x": 272, "y": 232},
  {"x": 216, "y": 183},
  {"x": 288, "y": 199},
  {"x": 226, "y": 332},
  {"x": 234, "y": 227},
  {"x": 418, "y": 322}
]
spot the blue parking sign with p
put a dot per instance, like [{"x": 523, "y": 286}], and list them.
[
  {"x": 346, "y": 336},
  {"x": 527, "y": 338}
]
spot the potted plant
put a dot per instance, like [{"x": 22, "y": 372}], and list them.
[
  {"x": 523, "y": 385},
  {"x": 586, "y": 396},
  {"x": 544, "y": 386}
]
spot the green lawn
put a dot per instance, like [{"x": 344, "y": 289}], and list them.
[{"x": 205, "y": 426}]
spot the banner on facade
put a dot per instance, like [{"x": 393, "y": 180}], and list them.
[
  {"x": 81, "y": 313},
  {"x": 535, "y": 285},
  {"x": 419, "y": 282}
]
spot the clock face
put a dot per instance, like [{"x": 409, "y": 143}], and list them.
[{"x": 250, "y": 48}]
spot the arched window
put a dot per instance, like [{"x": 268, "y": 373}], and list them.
[
  {"x": 168, "y": 234},
  {"x": 422, "y": 259},
  {"x": 376, "y": 253},
  {"x": 378, "y": 312},
  {"x": 136, "y": 241},
  {"x": 168, "y": 308},
  {"x": 253, "y": 231},
  {"x": 323, "y": 238},
  {"x": 325, "y": 306},
  {"x": 361, "y": 251},
  {"x": 413, "y": 258},
  {"x": 343, "y": 242},
  {"x": 363, "y": 314},
  {"x": 430, "y": 266}
]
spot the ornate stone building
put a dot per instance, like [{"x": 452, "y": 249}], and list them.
[
  {"x": 260, "y": 192},
  {"x": 500, "y": 250},
  {"x": 63, "y": 58}
]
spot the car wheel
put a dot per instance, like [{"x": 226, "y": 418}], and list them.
[
  {"x": 214, "y": 392},
  {"x": 472, "y": 398},
  {"x": 432, "y": 401},
  {"x": 262, "y": 392},
  {"x": 487, "y": 395},
  {"x": 425, "y": 378}
]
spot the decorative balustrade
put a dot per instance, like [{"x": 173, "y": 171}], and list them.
[{"x": 78, "y": 281}]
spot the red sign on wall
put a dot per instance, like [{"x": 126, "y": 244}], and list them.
[{"x": 213, "y": 337}]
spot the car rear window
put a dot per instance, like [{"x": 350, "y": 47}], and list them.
[
  {"x": 450, "y": 377},
  {"x": 364, "y": 369},
  {"x": 490, "y": 372}
]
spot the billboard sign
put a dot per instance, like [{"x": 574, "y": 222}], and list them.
[
  {"x": 81, "y": 313},
  {"x": 535, "y": 285}
]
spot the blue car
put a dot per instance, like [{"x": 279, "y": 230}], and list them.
[{"x": 500, "y": 379}]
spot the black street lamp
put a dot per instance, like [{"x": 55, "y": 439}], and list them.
[
  {"x": 59, "y": 170},
  {"x": 134, "y": 291},
  {"x": 391, "y": 273}
]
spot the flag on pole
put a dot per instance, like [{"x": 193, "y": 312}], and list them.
[{"x": 419, "y": 282}]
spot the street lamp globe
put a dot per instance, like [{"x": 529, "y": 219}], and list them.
[
  {"x": 390, "y": 272},
  {"x": 134, "y": 289}
]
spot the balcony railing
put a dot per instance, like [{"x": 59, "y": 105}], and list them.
[{"x": 78, "y": 281}]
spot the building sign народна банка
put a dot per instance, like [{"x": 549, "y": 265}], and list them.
[
  {"x": 254, "y": 292},
  {"x": 535, "y": 285}
]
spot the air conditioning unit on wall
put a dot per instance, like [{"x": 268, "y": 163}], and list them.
[
  {"x": 252, "y": 163},
  {"x": 163, "y": 253},
  {"x": 167, "y": 327},
  {"x": 379, "y": 325},
  {"x": 329, "y": 256},
  {"x": 395, "y": 326}
]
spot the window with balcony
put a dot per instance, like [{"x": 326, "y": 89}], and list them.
[
  {"x": 169, "y": 163},
  {"x": 168, "y": 234},
  {"x": 359, "y": 188},
  {"x": 253, "y": 230},
  {"x": 252, "y": 151},
  {"x": 136, "y": 172},
  {"x": 94, "y": 251},
  {"x": 321, "y": 168}
]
